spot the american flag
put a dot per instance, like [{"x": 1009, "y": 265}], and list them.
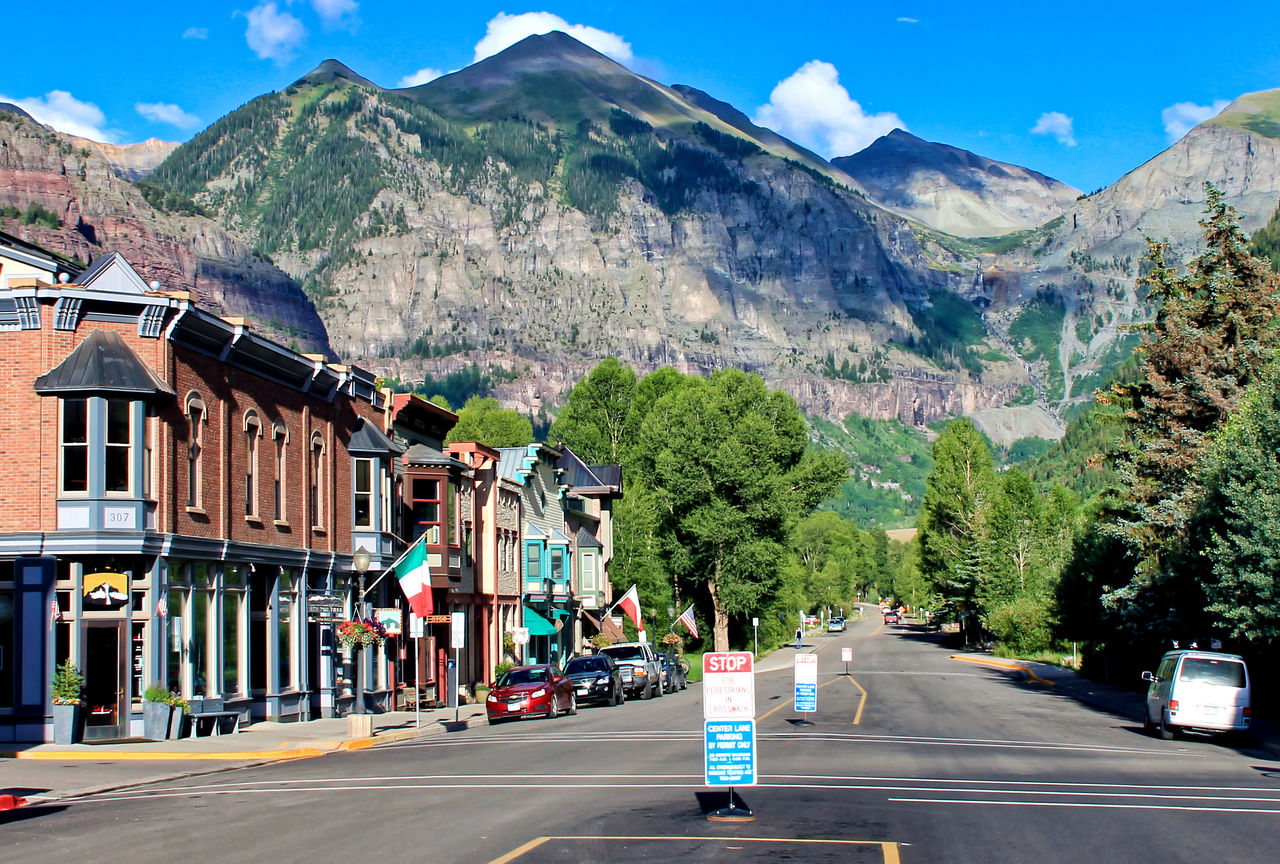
[{"x": 686, "y": 618}]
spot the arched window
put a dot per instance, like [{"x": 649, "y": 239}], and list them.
[
  {"x": 252, "y": 432},
  {"x": 317, "y": 481},
  {"x": 196, "y": 418},
  {"x": 280, "y": 437}
]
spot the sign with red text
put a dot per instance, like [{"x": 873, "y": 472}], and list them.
[{"x": 728, "y": 685}]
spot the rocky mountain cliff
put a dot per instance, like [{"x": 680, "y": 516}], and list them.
[
  {"x": 97, "y": 210},
  {"x": 953, "y": 190},
  {"x": 1086, "y": 261},
  {"x": 546, "y": 208}
]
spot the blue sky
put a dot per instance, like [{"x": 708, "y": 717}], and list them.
[{"x": 1082, "y": 92}]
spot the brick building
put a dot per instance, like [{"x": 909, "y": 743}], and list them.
[{"x": 174, "y": 487}]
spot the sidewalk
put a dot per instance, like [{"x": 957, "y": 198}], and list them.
[
  {"x": 1124, "y": 704},
  {"x": 40, "y": 773}
]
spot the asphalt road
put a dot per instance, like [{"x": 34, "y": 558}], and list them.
[{"x": 913, "y": 757}]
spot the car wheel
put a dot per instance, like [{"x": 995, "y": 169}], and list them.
[
  {"x": 555, "y": 708},
  {"x": 573, "y": 704},
  {"x": 660, "y": 689},
  {"x": 620, "y": 697},
  {"x": 1147, "y": 726},
  {"x": 646, "y": 691},
  {"x": 1164, "y": 730}
]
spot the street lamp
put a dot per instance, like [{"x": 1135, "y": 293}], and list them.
[{"x": 360, "y": 561}]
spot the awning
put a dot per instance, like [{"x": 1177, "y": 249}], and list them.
[{"x": 538, "y": 626}]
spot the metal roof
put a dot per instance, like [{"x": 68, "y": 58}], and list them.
[
  {"x": 421, "y": 454},
  {"x": 588, "y": 540},
  {"x": 102, "y": 363},
  {"x": 368, "y": 438}
]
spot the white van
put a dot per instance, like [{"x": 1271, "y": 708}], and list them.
[{"x": 1202, "y": 690}]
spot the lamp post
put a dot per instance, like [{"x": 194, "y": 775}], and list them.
[{"x": 360, "y": 560}]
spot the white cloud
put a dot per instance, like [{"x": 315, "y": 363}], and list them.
[
  {"x": 66, "y": 113},
  {"x": 196, "y": 33},
  {"x": 272, "y": 34},
  {"x": 908, "y": 20},
  {"x": 1181, "y": 117},
  {"x": 337, "y": 13},
  {"x": 422, "y": 76},
  {"x": 161, "y": 112},
  {"x": 506, "y": 30},
  {"x": 812, "y": 108},
  {"x": 1058, "y": 125}
]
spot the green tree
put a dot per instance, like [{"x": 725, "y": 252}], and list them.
[
  {"x": 1211, "y": 336},
  {"x": 1237, "y": 526},
  {"x": 593, "y": 422},
  {"x": 482, "y": 419},
  {"x": 728, "y": 464},
  {"x": 954, "y": 515}
]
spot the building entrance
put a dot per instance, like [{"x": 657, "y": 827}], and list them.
[{"x": 106, "y": 714}]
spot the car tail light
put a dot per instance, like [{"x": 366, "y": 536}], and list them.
[
  {"x": 1248, "y": 713},
  {"x": 1173, "y": 704}
]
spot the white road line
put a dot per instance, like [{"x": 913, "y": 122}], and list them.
[{"x": 1084, "y": 805}]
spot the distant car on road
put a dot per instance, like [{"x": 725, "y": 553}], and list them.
[
  {"x": 596, "y": 678},
  {"x": 836, "y": 625},
  {"x": 641, "y": 671},
  {"x": 675, "y": 670},
  {"x": 892, "y": 617},
  {"x": 527, "y": 691}
]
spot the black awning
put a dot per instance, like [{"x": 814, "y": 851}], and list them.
[{"x": 102, "y": 363}]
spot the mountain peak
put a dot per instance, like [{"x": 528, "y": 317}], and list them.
[
  {"x": 333, "y": 70},
  {"x": 1255, "y": 112}
]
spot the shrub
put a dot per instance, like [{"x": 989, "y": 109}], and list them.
[{"x": 68, "y": 684}]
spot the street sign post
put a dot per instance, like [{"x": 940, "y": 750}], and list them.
[
  {"x": 729, "y": 726},
  {"x": 846, "y": 657},
  {"x": 806, "y": 696},
  {"x": 457, "y": 639},
  {"x": 416, "y": 630}
]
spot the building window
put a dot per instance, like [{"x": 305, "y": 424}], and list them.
[
  {"x": 587, "y": 572},
  {"x": 119, "y": 446},
  {"x": 252, "y": 431},
  {"x": 363, "y": 488},
  {"x": 557, "y": 563},
  {"x": 233, "y": 618},
  {"x": 280, "y": 436},
  {"x": 317, "y": 480},
  {"x": 533, "y": 565},
  {"x": 451, "y": 517},
  {"x": 425, "y": 506},
  {"x": 286, "y": 599},
  {"x": 75, "y": 445},
  {"x": 195, "y": 447}
]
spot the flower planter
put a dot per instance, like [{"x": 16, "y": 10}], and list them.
[
  {"x": 176, "y": 717},
  {"x": 155, "y": 721},
  {"x": 67, "y": 727}
]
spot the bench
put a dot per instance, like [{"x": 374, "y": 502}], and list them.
[{"x": 211, "y": 719}]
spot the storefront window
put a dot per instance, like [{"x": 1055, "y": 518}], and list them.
[
  {"x": 286, "y": 595},
  {"x": 232, "y": 617},
  {"x": 201, "y": 659},
  {"x": 173, "y": 664},
  {"x": 8, "y": 655}
]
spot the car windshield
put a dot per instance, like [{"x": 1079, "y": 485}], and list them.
[
  {"x": 579, "y": 665},
  {"x": 514, "y": 677},
  {"x": 625, "y": 652},
  {"x": 1203, "y": 670}
]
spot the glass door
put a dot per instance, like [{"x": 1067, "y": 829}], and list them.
[{"x": 106, "y": 714}]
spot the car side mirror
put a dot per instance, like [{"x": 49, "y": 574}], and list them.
[
  {"x": 1147, "y": 676},
  {"x": 559, "y": 679}
]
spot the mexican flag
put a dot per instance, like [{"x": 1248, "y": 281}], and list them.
[{"x": 415, "y": 578}]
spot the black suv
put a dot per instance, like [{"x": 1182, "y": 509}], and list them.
[{"x": 596, "y": 678}]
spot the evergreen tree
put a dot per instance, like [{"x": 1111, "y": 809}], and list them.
[{"x": 1212, "y": 334}]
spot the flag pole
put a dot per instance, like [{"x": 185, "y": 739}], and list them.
[{"x": 381, "y": 575}]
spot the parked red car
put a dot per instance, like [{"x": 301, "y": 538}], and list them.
[{"x": 529, "y": 691}]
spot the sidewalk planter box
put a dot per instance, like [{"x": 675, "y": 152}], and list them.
[
  {"x": 155, "y": 721},
  {"x": 66, "y": 724},
  {"x": 359, "y": 725},
  {"x": 176, "y": 717}
]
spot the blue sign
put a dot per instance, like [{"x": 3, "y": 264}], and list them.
[
  {"x": 731, "y": 752},
  {"x": 806, "y": 697}
]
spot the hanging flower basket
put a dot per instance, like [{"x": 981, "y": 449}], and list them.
[{"x": 361, "y": 634}]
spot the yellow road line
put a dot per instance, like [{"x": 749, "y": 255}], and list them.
[
  {"x": 1002, "y": 664},
  {"x": 779, "y": 707},
  {"x": 888, "y": 849},
  {"x": 857, "y": 718}
]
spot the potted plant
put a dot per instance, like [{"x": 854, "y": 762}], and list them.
[
  {"x": 68, "y": 699},
  {"x": 155, "y": 713}
]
